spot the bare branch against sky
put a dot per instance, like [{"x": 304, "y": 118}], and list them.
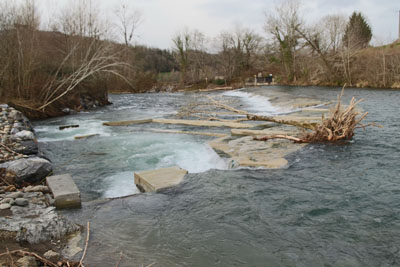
[{"x": 161, "y": 19}]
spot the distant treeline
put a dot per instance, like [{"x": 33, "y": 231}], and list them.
[{"x": 73, "y": 59}]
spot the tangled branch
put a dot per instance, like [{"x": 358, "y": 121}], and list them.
[{"x": 339, "y": 126}]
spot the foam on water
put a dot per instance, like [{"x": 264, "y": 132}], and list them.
[
  {"x": 119, "y": 185},
  {"x": 52, "y": 133},
  {"x": 153, "y": 151},
  {"x": 257, "y": 104},
  {"x": 194, "y": 157}
]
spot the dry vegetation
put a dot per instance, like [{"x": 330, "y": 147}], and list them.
[
  {"x": 340, "y": 125},
  {"x": 43, "y": 70}
]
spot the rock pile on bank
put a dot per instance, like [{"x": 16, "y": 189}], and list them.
[
  {"x": 20, "y": 158},
  {"x": 31, "y": 218},
  {"x": 26, "y": 210}
]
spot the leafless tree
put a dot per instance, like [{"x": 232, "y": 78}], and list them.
[
  {"x": 82, "y": 19},
  {"x": 237, "y": 49},
  {"x": 324, "y": 38},
  {"x": 333, "y": 29},
  {"x": 98, "y": 59},
  {"x": 182, "y": 42},
  {"x": 283, "y": 25},
  {"x": 18, "y": 25},
  {"x": 128, "y": 21}
]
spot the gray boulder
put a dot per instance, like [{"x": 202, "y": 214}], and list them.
[
  {"x": 15, "y": 115},
  {"x": 5, "y": 206},
  {"x": 27, "y": 261},
  {"x": 14, "y": 130},
  {"x": 15, "y": 195},
  {"x": 28, "y": 148},
  {"x": 25, "y": 135},
  {"x": 38, "y": 188},
  {"x": 30, "y": 170},
  {"x": 22, "y": 202},
  {"x": 52, "y": 255},
  {"x": 6, "y": 200},
  {"x": 46, "y": 225}
]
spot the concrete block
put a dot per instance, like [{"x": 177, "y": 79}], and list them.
[
  {"x": 66, "y": 193},
  {"x": 151, "y": 181}
]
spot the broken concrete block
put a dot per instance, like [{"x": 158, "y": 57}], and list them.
[
  {"x": 151, "y": 181},
  {"x": 66, "y": 193}
]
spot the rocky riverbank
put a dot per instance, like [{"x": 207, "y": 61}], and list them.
[
  {"x": 27, "y": 214},
  {"x": 20, "y": 158}
]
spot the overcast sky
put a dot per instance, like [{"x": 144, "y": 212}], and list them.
[{"x": 164, "y": 18}]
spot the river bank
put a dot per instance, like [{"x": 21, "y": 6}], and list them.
[{"x": 28, "y": 218}]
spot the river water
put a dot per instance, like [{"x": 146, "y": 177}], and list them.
[{"x": 335, "y": 205}]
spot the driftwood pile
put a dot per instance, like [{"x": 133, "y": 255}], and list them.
[{"x": 338, "y": 126}]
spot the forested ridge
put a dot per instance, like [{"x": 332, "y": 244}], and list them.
[{"x": 78, "y": 59}]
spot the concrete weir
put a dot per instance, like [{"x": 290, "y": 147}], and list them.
[
  {"x": 153, "y": 180},
  {"x": 66, "y": 193},
  {"x": 199, "y": 123}
]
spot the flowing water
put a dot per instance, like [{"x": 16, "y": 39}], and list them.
[{"x": 335, "y": 205}]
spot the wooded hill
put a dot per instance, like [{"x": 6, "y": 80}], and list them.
[{"x": 75, "y": 65}]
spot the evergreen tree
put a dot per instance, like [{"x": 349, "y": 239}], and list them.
[{"x": 358, "y": 33}]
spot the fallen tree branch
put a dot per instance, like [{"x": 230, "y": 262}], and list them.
[
  {"x": 280, "y": 136},
  {"x": 339, "y": 126},
  {"x": 119, "y": 261},
  {"x": 305, "y": 125},
  {"x": 11, "y": 151},
  {"x": 11, "y": 258},
  {"x": 86, "y": 245},
  {"x": 32, "y": 254}
]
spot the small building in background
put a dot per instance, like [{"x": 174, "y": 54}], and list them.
[{"x": 260, "y": 80}]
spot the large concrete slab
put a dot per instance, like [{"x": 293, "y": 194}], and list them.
[
  {"x": 151, "y": 181},
  {"x": 66, "y": 193}
]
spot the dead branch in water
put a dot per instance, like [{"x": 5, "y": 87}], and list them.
[
  {"x": 32, "y": 254},
  {"x": 279, "y": 136},
  {"x": 339, "y": 126},
  {"x": 86, "y": 244},
  {"x": 191, "y": 110}
]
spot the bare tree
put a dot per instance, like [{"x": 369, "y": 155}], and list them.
[
  {"x": 98, "y": 59},
  {"x": 182, "y": 42},
  {"x": 18, "y": 25},
  {"x": 226, "y": 56},
  {"x": 237, "y": 49},
  {"x": 82, "y": 19},
  {"x": 283, "y": 25},
  {"x": 324, "y": 38},
  {"x": 128, "y": 21},
  {"x": 335, "y": 27}
]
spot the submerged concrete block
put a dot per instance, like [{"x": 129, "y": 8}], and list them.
[
  {"x": 151, "y": 181},
  {"x": 66, "y": 193}
]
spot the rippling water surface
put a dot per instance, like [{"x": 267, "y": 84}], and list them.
[{"x": 336, "y": 205}]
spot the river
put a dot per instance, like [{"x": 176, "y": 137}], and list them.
[{"x": 334, "y": 205}]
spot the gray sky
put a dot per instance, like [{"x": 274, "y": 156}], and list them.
[{"x": 163, "y": 18}]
